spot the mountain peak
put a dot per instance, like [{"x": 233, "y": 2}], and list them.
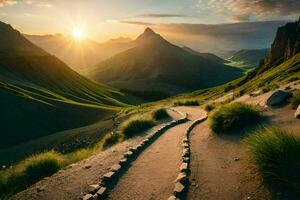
[{"x": 149, "y": 36}]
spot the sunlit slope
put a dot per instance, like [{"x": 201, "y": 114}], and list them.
[{"x": 41, "y": 95}]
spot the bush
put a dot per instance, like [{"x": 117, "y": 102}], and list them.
[
  {"x": 187, "y": 103},
  {"x": 209, "y": 107},
  {"x": 111, "y": 139},
  {"x": 276, "y": 154},
  {"x": 77, "y": 155},
  {"x": 134, "y": 127},
  {"x": 295, "y": 100},
  {"x": 160, "y": 114},
  {"x": 29, "y": 171},
  {"x": 233, "y": 116}
]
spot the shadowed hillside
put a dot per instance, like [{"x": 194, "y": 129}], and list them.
[
  {"x": 159, "y": 66},
  {"x": 41, "y": 95}
]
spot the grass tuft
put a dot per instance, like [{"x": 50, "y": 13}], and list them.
[
  {"x": 276, "y": 154},
  {"x": 137, "y": 126},
  {"x": 233, "y": 116},
  {"x": 111, "y": 139},
  {"x": 160, "y": 114},
  {"x": 29, "y": 171},
  {"x": 187, "y": 103},
  {"x": 209, "y": 107}
]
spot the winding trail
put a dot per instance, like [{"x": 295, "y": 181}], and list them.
[{"x": 152, "y": 175}]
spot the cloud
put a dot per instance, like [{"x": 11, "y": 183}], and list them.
[
  {"x": 45, "y": 5},
  {"x": 244, "y": 10},
  {"x": 136, "y": 23},
  {"x": 7, "y": 2},
  {"x": 152, "y": 15}
]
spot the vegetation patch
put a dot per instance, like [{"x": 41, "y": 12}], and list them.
[
  {"x": 295, "y": 99},
  {"x": 276, "y": 154},
  {"x": 137, "y": 126},
  {"x": 111, "y": 139},
  {"x": 233, "y": 116},
  {"x": 209, "y": 107},
  {"x": 187, "y": 103},
  {"x": 160, "y": 114},
  {"x": 29, "y": 171}
]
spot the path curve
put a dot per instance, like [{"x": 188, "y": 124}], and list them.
[{"x": 153, "y": 173}]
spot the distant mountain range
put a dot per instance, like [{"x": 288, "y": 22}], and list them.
[
  {"x": 156, "y": 66},
  {"x": 39, "y": 94},
  {"x": 248, "y": 57},
  {"x": 80, "y": 55}
]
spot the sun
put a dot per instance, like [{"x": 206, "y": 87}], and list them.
[{"x": 78, "y": 33}]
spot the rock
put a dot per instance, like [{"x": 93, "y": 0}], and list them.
[
  {"x": 93, "y": 188},
  {"x": 184, "y": 167},
  {"x": 277, "y": 98},
  {"x": 179, "y": 189},
  {"x": 186, "y": 159},
  {"x": 185, "y": 153},
  {"x": 172, "y": 198},
  {"x": 115, "y": 168},
  {"x": 87, "y": 166},
  {"x": 123, "y": 161},
  {"x": 128, "y": 154},
  {"x": 297, "y": 113},
  {"x": 88, "y": 197},
  {"x": 108, "y": 176},
  {"x": 182, "y": 178},
  {"x": 236, "y": 159},
  {"x": 40, "y": 189},
  {"x": 102, "y": 193}
]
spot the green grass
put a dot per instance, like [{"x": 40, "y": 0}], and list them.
[
  {"x": 276, "y": 152},
  {"x": 187, "y": 103},
  {"x": 295, "y": 99},
  {"x": 111, "y": 139},
  {"x": 29, "y": 171},
  {"x": 137, "y": 126},
  {"x": 160, "y": 114},
  {"x": 209, "y": 107},
  {"x": 233, "y": 117}
]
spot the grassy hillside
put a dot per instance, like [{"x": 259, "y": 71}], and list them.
[
  {"x": 248, "y": 58},
  {"x": 41, "y": 95}
]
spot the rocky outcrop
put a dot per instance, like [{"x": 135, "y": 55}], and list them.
[
  {"x": 277, "y": 98},
  {"x": 297, "y": 113},
  {"x": 286, "y": 44}
]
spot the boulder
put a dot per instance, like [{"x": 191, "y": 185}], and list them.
[
  {"x": 278, "y": 97},
  {"x": 297, "y": 113}
]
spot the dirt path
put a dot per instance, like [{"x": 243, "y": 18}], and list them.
[
  {"x": 72, "y": 182},
  {"x": 153, "y": 174},
  {"x": 220, "y": 170}
]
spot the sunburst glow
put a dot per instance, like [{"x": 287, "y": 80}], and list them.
[{"x": 78, "y": 33}]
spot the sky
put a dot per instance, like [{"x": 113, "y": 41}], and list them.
[{"x": 101, "y": 20}]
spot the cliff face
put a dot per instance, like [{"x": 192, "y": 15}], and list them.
[{"x": 286, "y": 44}]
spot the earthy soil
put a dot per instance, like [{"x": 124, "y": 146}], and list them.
[{"x": 153, "y": 174}]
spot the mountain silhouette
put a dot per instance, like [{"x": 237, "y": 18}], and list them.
[{"x": 155, "y": 65}]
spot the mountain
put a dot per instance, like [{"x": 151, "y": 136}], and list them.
[
  {"x": 248, "y": 57},
  {"x": 40, "y": 95},
  {"x": 285, "y": 45},
  {"x": 209, "y": 56},
  {"x": 156, "y": 66},
  {"x": 82, "y": 54}
]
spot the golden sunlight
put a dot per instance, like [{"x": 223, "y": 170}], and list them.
[{"x": 78, "y": 33}]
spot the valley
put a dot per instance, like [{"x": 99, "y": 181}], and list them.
[{"x": 150, "y": 117}]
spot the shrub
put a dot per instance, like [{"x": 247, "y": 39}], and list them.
[
  {"x": 111, "y": 139},
  {"x": 77, "y": 155},
  {"x": 276, "y": 154},
  {"x": 233, "y": 116},
  {"x": 187, "y": 103},
  {"x": 134, "y": 127},
  {"x": 29, "y": 171},
  {"x": 295, "y": 100},
  {"x": 209, "y": 107},
  {"x": 160, "y": 114}
]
